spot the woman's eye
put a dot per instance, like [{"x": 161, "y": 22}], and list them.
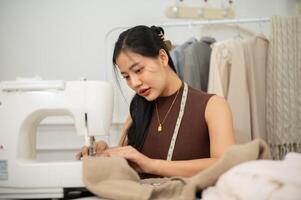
[
  {"x": 138, "y": 70},
  {"x": 126, "y": 77}
]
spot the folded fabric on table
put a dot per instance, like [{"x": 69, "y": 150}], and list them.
[{"x": 113, "y": 178}]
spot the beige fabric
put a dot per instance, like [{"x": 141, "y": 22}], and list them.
[
  {"x": 255, "y": 55},
  {"x": 228, "y": 78},
  {"x": 237, "y": 72},
  {"x": 283, "y": 103},
  {"x": 113, "y": 178}
]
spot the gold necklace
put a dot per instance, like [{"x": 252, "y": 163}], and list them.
[{"x": 160, "y": 126}]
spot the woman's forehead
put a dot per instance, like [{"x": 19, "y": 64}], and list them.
[
  {"x": 127, "y": 59},
  {"x": 129, "y": 56}
]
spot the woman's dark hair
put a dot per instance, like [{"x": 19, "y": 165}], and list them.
[{"x": 146, "y": 41}]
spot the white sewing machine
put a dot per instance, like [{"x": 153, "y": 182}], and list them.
[{"x": 23, "y": 105}]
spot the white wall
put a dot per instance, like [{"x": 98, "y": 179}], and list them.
[{"x": 64, "y": 39}]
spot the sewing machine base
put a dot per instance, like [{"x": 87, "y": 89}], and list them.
[{"x": 37, "y": 193}]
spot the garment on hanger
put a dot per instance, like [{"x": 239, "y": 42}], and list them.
[
  {"x": 237, "y": 71},
  {"x": 255, "y": 55},
  {"x": 177, "y": 56},
  {"x": 196, "y": 63},
  {"x": 227, "y": 77}
]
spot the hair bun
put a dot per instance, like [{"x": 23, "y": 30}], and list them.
[{"x": 159, "y": 31}]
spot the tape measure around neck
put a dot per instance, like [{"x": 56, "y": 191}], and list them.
[{"x": 178, "y": 123}]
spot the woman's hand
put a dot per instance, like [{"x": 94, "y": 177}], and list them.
[
  {"x": 99, "y": 146},
  {"x": 140, "y": 162}
]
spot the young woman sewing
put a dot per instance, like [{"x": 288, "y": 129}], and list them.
[{"x": 173, "y": 129}]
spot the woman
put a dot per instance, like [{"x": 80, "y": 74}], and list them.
[{"x": 173, "y": 129}]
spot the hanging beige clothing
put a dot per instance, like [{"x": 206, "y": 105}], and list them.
[
  {"x": 113, "y": 178},
  {"x": 237, "y": 72},
  {"x": 228, "y": 78},
  {"x": 255, "y": 55}
]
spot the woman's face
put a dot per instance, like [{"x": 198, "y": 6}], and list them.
[{"x": 146, "y": 76}]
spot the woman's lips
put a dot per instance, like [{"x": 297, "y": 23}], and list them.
[{"x": 144, "y": 92}]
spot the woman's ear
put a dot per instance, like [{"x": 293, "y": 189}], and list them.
[{"x": 163, "y": 57}]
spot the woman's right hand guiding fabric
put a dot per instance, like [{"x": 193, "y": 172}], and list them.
[{"x": 99, "y": 147}]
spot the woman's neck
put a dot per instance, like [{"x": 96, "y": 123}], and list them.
[{"x": 173, "y": 84}]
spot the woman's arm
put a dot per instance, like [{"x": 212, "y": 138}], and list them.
[
  {"x": 219, "y": 121},
  {"x": 220, "y": 125}
]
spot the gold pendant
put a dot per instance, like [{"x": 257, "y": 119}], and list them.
[{"x": 159, "y": 128}]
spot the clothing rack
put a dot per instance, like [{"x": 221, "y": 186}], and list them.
[{"x": 185, "y": 23}]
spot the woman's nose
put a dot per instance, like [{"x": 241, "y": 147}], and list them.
[{"x": 136, "y": 81}]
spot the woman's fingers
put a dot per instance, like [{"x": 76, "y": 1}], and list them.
[
  {"x": 100, "y": 146},
  {"x": 125, "y": 152},
  {"x": 78, "y": 155},
  {"x": 84, "y": 151}
]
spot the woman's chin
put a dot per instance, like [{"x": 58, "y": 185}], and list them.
[{"x": 150, "y": 97}]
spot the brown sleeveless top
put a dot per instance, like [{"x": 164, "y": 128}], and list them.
[{"x": 193, "y": 137}]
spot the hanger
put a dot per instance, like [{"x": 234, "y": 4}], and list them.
[
  {"x": 260, "y": 28},
  {"x": 238, "y": 32},
  {"x": 206, "y": 30},
  {"x": 191, "y": 31}
]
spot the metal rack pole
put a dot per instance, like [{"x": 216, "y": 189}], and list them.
[{"x": 189, "y": 23}]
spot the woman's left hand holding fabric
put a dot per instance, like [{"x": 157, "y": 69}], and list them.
[{"x": 137, "y": 160}]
